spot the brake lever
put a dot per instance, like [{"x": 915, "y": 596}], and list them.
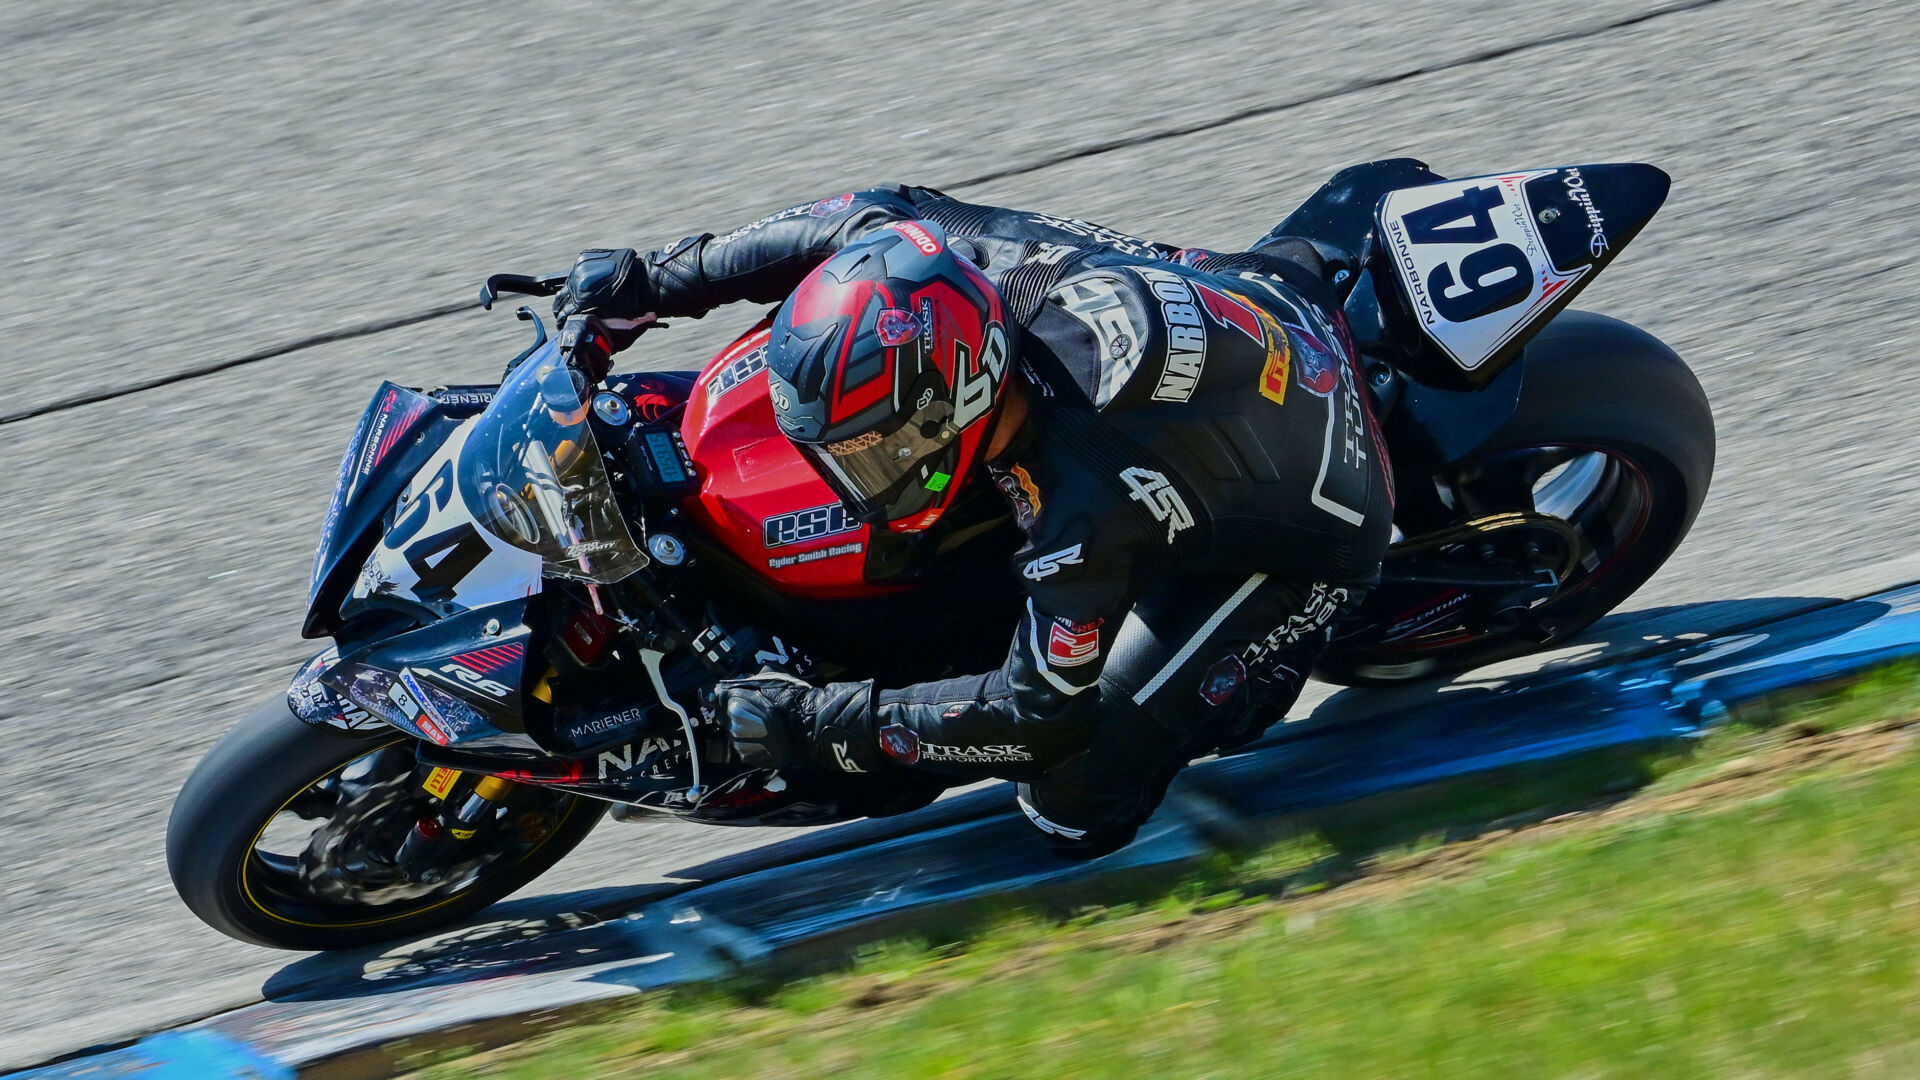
[{"x": 523, "y": 284}]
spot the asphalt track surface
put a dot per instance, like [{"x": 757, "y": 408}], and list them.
[{"x": 188, "y": 188}]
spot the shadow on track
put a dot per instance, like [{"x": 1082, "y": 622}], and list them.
[{"x": 1368, "y": 769}]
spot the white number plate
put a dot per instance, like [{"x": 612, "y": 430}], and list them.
[{"x": 1470, "y": 258}]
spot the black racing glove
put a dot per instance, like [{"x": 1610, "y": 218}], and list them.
[
  {"x": 612, "y": 285},
  {"x": 777, "y": 721},
  {"x": 766, "y": 718}
]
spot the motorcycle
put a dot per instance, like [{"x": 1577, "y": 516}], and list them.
[{"x": 529, "y": 587}]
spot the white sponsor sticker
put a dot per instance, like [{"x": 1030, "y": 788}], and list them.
[
  {"x": 971, "y": 755},
  {"x": 1470, "y": 257},
  {"x": 1186, "y": 357},
  {"x": 1099, "y": 234},
  {"x": 1095, "y": 302}
]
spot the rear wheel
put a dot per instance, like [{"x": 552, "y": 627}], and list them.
[
  {"x": 1596, "y": 478},
  {"x": 287, "y": 835}
]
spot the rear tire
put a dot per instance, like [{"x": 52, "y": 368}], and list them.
[
  {"x": 253, "y": 773},
  {"x": 1606, "y": 386}
]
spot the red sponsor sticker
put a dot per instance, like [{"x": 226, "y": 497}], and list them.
[
  {"x": 900, "y": 743},
  {"x": 1228, "y": 310},
  {"x": 921, "y": 238},
  {"x": 489, "y": 660},
  {"x": 1070, "y": 644},
  {"x": 829, "y": 207},
  {"x": 1222, "y": 680},
  {"x": 1314, "y": 366},
  {"x": 432, "y": 730},
  {"x": 586, "y": 635},
  {"x": 651, "y": 405}
]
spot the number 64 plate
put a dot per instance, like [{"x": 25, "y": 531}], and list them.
[{"x": 1470, "y": 257}]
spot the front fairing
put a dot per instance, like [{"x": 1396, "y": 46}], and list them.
[
  {"x": 433, "y": 561},
  {"x": 457, "y": 680},
  {"x": 433, "y": 630},
  {"x": 399, "y": 430}
]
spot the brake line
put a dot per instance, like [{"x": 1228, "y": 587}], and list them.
[{"x": 650, "y": 659}]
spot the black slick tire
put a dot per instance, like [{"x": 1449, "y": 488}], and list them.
[{"x": 248, "y": 777}]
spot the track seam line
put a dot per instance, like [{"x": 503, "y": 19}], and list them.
[
  {"x": 1357, "y": 86},
  {"x": 1076, "y": 154},
  {"x": 347, "y": 333}
]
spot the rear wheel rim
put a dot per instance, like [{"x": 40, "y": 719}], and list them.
[{"x": 1605, "y": 495}]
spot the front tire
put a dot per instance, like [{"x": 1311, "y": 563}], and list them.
[{"x": 273, "y": 766}]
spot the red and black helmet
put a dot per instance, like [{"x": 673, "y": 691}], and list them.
[{"x": 886, "y": 368}]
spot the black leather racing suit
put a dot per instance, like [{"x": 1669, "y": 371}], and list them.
[{"x": 1201, "y": 485}]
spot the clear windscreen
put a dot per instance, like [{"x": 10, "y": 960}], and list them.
[{"x": 531, "y": 475}]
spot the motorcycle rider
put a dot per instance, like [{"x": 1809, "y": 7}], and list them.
[{"x": 1184, "y": 437}]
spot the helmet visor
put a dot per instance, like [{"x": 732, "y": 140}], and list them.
[{"x": 894, "y": 475}]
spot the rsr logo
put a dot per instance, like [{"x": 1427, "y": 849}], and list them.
[
  {"x": 476, "y": 680},
  {"x": 809, "y": 524}
]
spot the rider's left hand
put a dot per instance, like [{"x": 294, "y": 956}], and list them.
[{"x": 612, "y": 284}]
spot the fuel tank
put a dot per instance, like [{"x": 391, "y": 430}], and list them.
[{"x": 758, "y": 497}]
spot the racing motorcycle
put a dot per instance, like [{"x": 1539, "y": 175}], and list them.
[{"x": 530, "y": 586}]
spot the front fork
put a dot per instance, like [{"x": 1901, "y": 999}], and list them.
[{"x": 434, "y": 835}]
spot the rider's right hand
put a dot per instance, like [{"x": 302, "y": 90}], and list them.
[
  {"x": 612, "y": 285},
  {"x": 766, "y": 718}
]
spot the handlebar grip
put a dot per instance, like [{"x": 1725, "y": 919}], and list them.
[{"x": 588, "y": 346}]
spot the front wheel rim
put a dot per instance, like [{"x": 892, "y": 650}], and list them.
[{"x": 276, "y": 885}]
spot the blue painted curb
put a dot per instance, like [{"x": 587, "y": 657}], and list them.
[{"x": 192, "y": 1054}]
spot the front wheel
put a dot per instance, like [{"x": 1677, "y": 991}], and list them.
[{"x": 287, "y": 835}]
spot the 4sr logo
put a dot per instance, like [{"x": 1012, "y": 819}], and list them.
[
  {"x": 1045, "y": 566},
  {"x": 1155, "y": 492}
]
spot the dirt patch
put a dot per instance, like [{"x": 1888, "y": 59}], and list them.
[{"x": 1795, "y": 752}]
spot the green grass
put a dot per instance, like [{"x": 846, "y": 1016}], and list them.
[{"x": 1773, "y": 933}]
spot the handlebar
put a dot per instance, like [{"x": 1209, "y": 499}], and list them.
[
  {"x": 584, "y": 341},
  {"x": 586, "y": 345}
]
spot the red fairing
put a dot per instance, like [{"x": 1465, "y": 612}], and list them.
[{"x": 758, "y": 498}]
